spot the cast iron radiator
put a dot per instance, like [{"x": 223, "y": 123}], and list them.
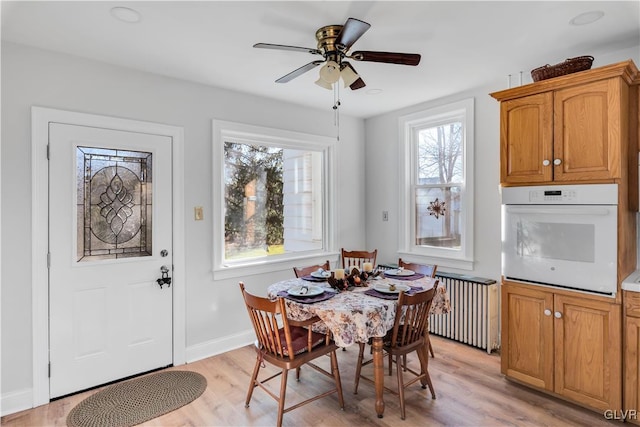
[{"x": 474, "y": 315}]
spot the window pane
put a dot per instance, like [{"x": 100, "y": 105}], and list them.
[
  {"x": 114, "y": 203},
  {"x": 438, "y": 217},
  {"x": 440, "y": 154},
  {"x": 273, "y": 200}
]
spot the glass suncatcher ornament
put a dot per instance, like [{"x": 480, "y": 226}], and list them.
[
  {"x": 114, "y": 203},
  {"x": 436, "y": 208}
]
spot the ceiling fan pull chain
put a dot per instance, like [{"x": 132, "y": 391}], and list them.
[{"x": 336, "y": 109}]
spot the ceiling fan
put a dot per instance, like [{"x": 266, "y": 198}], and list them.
[{"x": 334, "y": 42}]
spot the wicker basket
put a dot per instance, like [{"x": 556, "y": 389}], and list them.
[{"x": 571, "y": 65}]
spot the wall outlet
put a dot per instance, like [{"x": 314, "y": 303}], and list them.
[
  {"x": 198, "y": 213},
  {"x": 385, "y": 215}
]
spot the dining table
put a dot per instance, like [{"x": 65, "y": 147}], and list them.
[{"x": 361, "y": 314}]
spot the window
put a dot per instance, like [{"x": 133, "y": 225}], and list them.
[
  {"x": 114, "y": 203},
  {"x": 437, "y": 185},
  {"x": 273, "y": 194}
]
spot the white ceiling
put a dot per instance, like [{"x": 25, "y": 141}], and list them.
[{"x": 463, "y": 44}]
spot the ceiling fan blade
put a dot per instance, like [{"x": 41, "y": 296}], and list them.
[
  {"x": 285, "y": 47},
  {"x": 352, "y": 30},
  {"x": 295, "y": 73},
  {"x": 358, "y": 83},
  {"x": 388, "y": 57}
]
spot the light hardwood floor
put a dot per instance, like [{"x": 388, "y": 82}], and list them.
[{"x": 470, "y": 392}]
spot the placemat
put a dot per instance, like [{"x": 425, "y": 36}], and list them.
[
  {"x": 378, "y": 294},
  {"x": 308, "y": 300},
  {"x": 415, "y": 276},
  {"x": 313, "y": 279}
]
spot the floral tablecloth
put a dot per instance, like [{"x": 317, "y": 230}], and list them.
[{"x": 352, "y": 316}]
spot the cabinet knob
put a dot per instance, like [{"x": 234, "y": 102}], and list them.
[
  {"x": 547, "y": 312},
  {"x": 557, "y": 315},
  {"x": 557, "y": 162},
  {"x": 546, "y": 162}
]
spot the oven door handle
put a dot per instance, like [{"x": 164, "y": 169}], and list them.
[{"x": 582, "y": 210}]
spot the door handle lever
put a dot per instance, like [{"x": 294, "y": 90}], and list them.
[{"x": 164, "y": 279}]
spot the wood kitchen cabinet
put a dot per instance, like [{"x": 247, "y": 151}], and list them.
[
  {"x": 632, "y": 355},
  {"x": 526, "y": 139},
  {"x": 569, "y": 129},
  {"x": 563, "y": 342}
]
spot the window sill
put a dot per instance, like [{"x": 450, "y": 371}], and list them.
[
  {"x": 461, "y": 264},
  {"x": 271, "y": 266}
]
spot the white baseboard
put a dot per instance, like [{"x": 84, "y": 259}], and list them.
[
  {"x": 20, "y": 400},
  {"x": 16, "y": 401},
  {"x": 218, "y": 346}
]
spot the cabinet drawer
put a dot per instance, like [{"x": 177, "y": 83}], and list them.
[{"x": 632, "y": 303}]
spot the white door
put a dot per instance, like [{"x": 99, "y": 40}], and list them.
[{"x": 110, "y": 231}]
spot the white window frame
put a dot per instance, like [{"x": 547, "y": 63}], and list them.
[
  {"x": 259, "y": 135},
  {"x": 408, "y": 126}
]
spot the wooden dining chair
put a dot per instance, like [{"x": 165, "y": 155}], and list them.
[
  {"x": 305, "y": 271},
  {"x": 358, "y": 258},
  {"x": 427, "y": 270},
  {"x": 409, "y": 334},
  {"x": 287, "y": 344}
]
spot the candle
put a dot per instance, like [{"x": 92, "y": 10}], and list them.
[
  {"x": 339, "y": 273},
  {"x": 368, "y": 267}
]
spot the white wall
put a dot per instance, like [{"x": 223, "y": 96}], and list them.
[
  {"x": 215, "y": 315},
  {"x": 382, "y": 172},
  {"x": 383, "y": 181}
]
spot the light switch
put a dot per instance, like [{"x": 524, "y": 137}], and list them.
[{"x": 198, "y": 213}]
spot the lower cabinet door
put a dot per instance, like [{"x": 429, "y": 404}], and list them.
[
  {"x": 527, "y": 335},
  {"x": 632, "y": 369},
  {"x": 588, "y": 366}
]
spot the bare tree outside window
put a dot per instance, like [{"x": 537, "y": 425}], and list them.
[
  {"x": 437, "y": 190},
  {"x": 436, "y": 197}
]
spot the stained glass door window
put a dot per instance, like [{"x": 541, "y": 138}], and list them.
[{"x": 114, "y": 203}]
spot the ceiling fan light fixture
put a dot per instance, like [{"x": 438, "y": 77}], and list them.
[
  {"x": 320, "y": 82},
  {"x": 330, "y": 72},
  {"x": 348, "y": 76}
]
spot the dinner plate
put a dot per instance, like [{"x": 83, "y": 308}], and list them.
[
  {"x": 399, "y": 272},
  {"x": 321, "y": 275},
  {"x": 305, "y": 291},
  {"x": 383, "y": 287}
]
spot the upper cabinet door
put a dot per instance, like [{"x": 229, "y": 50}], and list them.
[
  {"x": 526, "y": 132},
  {"x": 587, "y": 131}
]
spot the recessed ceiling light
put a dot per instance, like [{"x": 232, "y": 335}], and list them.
[
  {"x": 374, "y": 91},
  {"x": 587, "y": 17},
  {"x": 126, "y": 14}
]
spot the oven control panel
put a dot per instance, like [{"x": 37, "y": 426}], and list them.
[
  {"x": 581, "y": 194},
  {"x": 540, "y": 196}
]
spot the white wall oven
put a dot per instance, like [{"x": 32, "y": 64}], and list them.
[{"x": 562, "y": 236}]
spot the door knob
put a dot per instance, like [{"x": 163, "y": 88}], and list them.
[
  {"x": 164, "y": 279},
  {"x": 557, "y": 162},
  {"x": 547, "y": 312},
  {"x": 557, "y": 315},
  {"x": 546, "y": 162}
]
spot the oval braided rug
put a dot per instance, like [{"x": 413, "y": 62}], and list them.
[{"x": 134, "y": 401}]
